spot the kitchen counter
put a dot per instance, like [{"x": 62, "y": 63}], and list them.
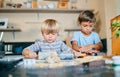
[{"x": 15, "y": 68}]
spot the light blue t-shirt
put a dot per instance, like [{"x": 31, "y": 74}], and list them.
[{"x": 82, "y": 40}]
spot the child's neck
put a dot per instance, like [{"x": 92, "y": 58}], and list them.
[{"x": 85, "y": 33}]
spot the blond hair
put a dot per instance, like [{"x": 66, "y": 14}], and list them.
[{"x": 50, "y": 26}]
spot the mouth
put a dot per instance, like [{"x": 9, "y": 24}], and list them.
[
  {"x": 87, "y": 32},
  {"x": 50, "y": 40}
]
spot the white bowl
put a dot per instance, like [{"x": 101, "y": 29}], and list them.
[{"x": 116, "y": 60}]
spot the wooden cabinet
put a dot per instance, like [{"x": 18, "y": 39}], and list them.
[{"x": 115, "y": 41}]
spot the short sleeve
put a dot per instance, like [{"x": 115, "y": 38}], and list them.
[
  {"x": 97, "y": 38},
  {"x": 75, "y": 36}
]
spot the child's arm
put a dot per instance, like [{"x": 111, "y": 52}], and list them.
[
  {"x": 29, "y": 54},
  {"x": 98, "y": 46},
  {"x": 75, "y": 46}
]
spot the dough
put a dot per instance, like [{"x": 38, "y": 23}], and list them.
[{"x": 53, "y": 59}]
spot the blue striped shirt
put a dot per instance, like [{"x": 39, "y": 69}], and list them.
[{"x": 42, "y": 46}]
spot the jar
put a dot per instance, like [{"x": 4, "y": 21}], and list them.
[
  {"x": 29, "y": 4},
  {"x": 1, "y": 3},
  {"x": 34, "y": 3},
  {"x": 73, "y": 4}
]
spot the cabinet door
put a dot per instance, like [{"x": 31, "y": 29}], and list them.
[{"x": 115, "y": 41}]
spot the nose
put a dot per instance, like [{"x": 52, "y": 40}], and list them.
[
  {"x": 88, "y": 27},
  {"x": 50, "y": 35}
]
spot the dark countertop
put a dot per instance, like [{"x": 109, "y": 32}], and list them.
[
  {"x": 76, "y": 71},
  {"x": 18, "y": 70}
]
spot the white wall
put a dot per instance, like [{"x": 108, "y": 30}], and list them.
[
  {"x": 118, "y": 7},
  {"x": 30, "y": 25},
  {"x": 110, "y": 12}
]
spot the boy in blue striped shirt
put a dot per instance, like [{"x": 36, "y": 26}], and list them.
[{"x": 50, "y": 29}]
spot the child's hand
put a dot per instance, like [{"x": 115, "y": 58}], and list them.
[
  {"x": 77, "y": 54},
  {"x": 32, "y": 54},
  {"x": 29, "y": 54},
  {"x": 95, "y": 51},
  {"x": 86, "y": 48}
]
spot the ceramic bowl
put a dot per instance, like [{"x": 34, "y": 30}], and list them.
[{"x": 116, "y": 60}]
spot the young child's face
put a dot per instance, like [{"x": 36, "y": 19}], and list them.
[
  {"x": 50, "y": 37},
  {"x": 87, "y": 27}
]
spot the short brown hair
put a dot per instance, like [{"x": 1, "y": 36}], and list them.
[{"x": 86, "y": 16}]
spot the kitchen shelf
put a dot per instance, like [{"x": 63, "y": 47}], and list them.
[
  {"x": 37, "y": 10},
  {"x": 10, "y": 30},
  {"x": 69, "y": 30}
]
